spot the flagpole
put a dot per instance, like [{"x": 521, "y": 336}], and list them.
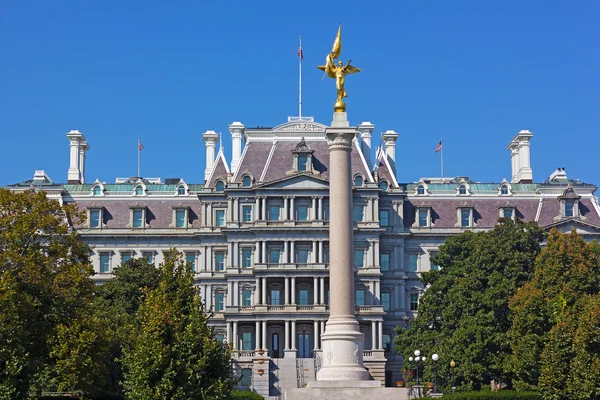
[
  {"x": 139, "y": 151},
  {"x": 442, "y": 158},
  {"x": 300, "y": 81}
]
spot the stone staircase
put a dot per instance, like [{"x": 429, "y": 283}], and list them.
[
  {"x": 283, "y": 376},
  {"x": 305, "y": 368}
]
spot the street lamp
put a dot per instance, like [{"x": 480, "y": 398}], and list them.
[
  {"x": 417, "y": 360},
  {"x": 452, "y": 365},
  {"x": 435, "y": 357}
]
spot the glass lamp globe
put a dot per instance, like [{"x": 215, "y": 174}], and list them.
[
  {"x": 410, "y": 359},
  {"x": 417, "y": 353},
  {"x": 435, "y": 357},
  {"x": 423, "y": 358},
  {"x": 417, "y": 359}
]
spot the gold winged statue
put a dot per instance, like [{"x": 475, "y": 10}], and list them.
[{"x": 339, "y": 71}]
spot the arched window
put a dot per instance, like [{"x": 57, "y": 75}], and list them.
[
  {"x": 220, "y": 186},
  {"x": 181, "y": 190},
  {"x": 358, "y": 181},
  {"x": 246, "y": 181},
  {"x": 420, "y": 189},
  {"x": 139, "y": 191},
  {"x": 504, "y": 189},
  {"x": 383, "y": 185},
  {"x": 97, "y": 191},
  {"x": 462, "y": 189}
]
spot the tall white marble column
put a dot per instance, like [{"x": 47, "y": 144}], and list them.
[{"x": 342, "y": 340}]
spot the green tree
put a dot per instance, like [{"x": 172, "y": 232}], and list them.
[
  {"x": 552, "y": 345},
  {"x": 45, "y": 296},
  {"x": 174, "y": 353},
  {"x": 463, "y": 313}
]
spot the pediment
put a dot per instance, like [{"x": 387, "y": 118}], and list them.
[
  {"x": 299, "y": 127},
  {"x": 581, "y": 227},
  {"x": 304, "y": 181}
]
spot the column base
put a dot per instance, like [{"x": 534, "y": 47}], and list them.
[{"x": 342, "y": 357}]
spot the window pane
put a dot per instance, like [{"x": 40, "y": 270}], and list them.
[
  {"x": 414, "y": 301},
  {"x": 149, "y": 257},
  {"x": 246, "y": 258},
  {"x": 97, "y": 191},
  {"x": 423, "y": 220},
  {"x": 302, "y": 256},
  {"x": 303, "y": 297},
  {"x": 302, "y": 213},
  {"x": 302, "y": 160},
  {"x": 412, "y": 262},
  {"x": 384, "y": 218},
  {"x": 326, "y": 212},
  {"x": 125, "y": 257},
  {"x": 465, "y": 217},
  {"x": 386, "y": 342},
  {"x": 359, "y": 258},
  {"x": 247, "y": 341},
  {"x": 220, "y": 217},
  {"x": 138, "y": 218},
  {"x": 360, "y": 297},
  {"x": 139, "y": 191},
  {"x": 180, "y": 218},
  {"x": 508, "y": 212},
  {"x": 104, "y": 263},
  {"x": 95, "y": 218},
  {"x": 358, "y": 181},
  {"x": 219, "y": 261},
  {"x": 386, "y": 301},
  {"x": 219, "y": 301},
  {"x": 275, "y": 301},
  {"x": 246, "y": 181},
  {"x": 504, "y": 190},
  {"x": 274, "y": 256},
  {"x": 220, "y": 337},
  {"x": 190, "y": 258},
  {"x": 246, "y": 297},
  {"x": 384, "y": 261},
  {"x": 181, "y": 190},
  {"x": 247, "y": 213},
  {"x": 220, "y": 186},
  {"x": 462, "y": 189},
  {"x": 420, "y": 189},
  {"x": 358, "y": 213},
  {"x": 246, "y": 377},
  {"x": 326, "y": 255},
  {"x": 383, "y": 186},
  {"x": 569, "y": 205},
  {"x": 274, "y": 213},
  {"x": 432, "y": 266}
]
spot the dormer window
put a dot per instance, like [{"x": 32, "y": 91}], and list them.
[
  {"x": 181, "y": 190},
  {"x": 138, "y": 217},
  {"x": 220, "y": 186},
  {"x": 507, "y": 212},
  {"x": 97, "y": 191},
  {"x": 462, "y": 189},
  {"x": 383, "y": 185},
  {"x": 569, "y": 208},
  {"x": 139, "y": 190},
  {"x": 504, "y": 190},
  {"x": 246, "y": 181},
  {"x": 569, "y": 204},
  {"x": 302, "y": 158},
  {"x": 420, "y": 189},
  {"x": 358, "y": 181},
  {"x": 95, "y": 217}
]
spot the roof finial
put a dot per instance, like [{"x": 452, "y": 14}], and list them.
[{"x": 220, "y": 142}]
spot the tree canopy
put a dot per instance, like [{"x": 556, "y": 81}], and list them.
[{"x": 463, "y": 313}]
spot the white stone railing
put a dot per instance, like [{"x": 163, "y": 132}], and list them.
[
  {"x": 245, "y": 354},
  {"x": 275, "y": 308},
  {"x": 305, "y": 308}
]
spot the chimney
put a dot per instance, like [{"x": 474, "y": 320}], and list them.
[
  {"x": 389, "y": 138},
  {"x": 237, "y": 130},
  {"x": 211, "y": 138},
  {"x": 365, "y": 129},
  {"x": 521, "y": 158},
  {"x": 78, "y": 147}
]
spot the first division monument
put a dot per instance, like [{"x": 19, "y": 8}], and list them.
[{"x": 342, "y": 375}]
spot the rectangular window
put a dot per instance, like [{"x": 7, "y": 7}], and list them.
[
  {"x": 508, "y": 212},
  {"x": 359, "y": 258},
  {"x": 246, "y": 257},
  {"x": 386, "y": 301},
  {"x": 302, "y": 213},
  {"x": 326, "y": 212},
  {"x": 138, "y": 218},
  {"x": 384, "y": 261},
  {"x": 302, "y": 256},
  {"x": 275, "y": 300},
  {"x": 360, "y": 297},
  {"x": 95, "y": 218},
  {"x": 326, "y": 255},
  {"x": 386, "y": 342},
  {"x": 303, "y": 296},
  {"x": 358, "y": 213},
  {"x": 104, "y": 263},
  {"x": 433, "y": 266},
  {"x": 465, "y": 217},
  {"x": 274, "y": 213},
  {"x": 569, "y": 206},
  {"x": 220, "y": 217},
  {"x": 302, "y": 161},
  {"x": 246, "y": 297},
  {"x": 384, "y": 218},
  {"x": 246, "y": 213},
  {"x": 190, "y": 259},
  {"x": 274, "y": 256},
  {"x": 247, "y": 341},
  {"x": 414, "y": 302},
  {"x": 220, "y": 337},
  {"x": 180, "y": 218},
  {"x": 423, "y": 218},
  {"x": 125, "y": 257},
  {"x": 413, "y": 260},
  {"x": 148, "y": 256},
  {"x": 219, "y": 260},
  {"x": 219, "y": 301}
]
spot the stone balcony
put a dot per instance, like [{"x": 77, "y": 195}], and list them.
[
  {"x": 281, "y": 309},
  {"x": 291, "y": 267}
]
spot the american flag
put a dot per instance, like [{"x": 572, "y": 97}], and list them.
[
  {"x": 300, "y": 52},
  {"x": 439, "y": 146},
  {"x": 140, "y": 146}
]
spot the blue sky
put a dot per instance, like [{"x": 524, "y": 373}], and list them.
[{"x": 472, "y": 72}]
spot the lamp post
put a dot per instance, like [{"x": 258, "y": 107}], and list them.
[
  {"x": 417, "y": 360},
  {"x": 452, "y": 365},
  {"x": 410, "y": 360},
  {"x": 435, "y": 357}
]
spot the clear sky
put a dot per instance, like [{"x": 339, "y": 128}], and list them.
[{"x": 472, "y": 72}]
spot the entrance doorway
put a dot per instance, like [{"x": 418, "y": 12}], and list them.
[
  {"x": 275, "y": 345},
  {"x": 304, "y": 345}
]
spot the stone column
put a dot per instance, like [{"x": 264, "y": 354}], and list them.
[
  {"x": 313, "y": 255},
  {"x": 342, "y": 340},
  {"x": 373, "y": 335},
  {"x": 257, "y": 292},
  {"x": 264, "y": 334},
  {"x": 293, "y": 290},
  {"x": 315, "y": 290},
  {"x": 316, "y": 335},
  {"x": 287, "y": 335},
  {"x": 257, "y": 335},
  {"x": 235, "y": 336},
  {"x": 293, "y": 335},
  {"x": 286, "y": 289},
  {"x": 380, "y": 339},
  {"x": 229, "y": 332},
  {"x": 323, "y": 299},
  {"x": 320, "y": 261},
  {"x": 264, "y": 291}
]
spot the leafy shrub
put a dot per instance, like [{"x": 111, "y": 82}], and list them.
[
  {"x": 502, "y": 394},
  {"x": 245, "y": 395}
]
